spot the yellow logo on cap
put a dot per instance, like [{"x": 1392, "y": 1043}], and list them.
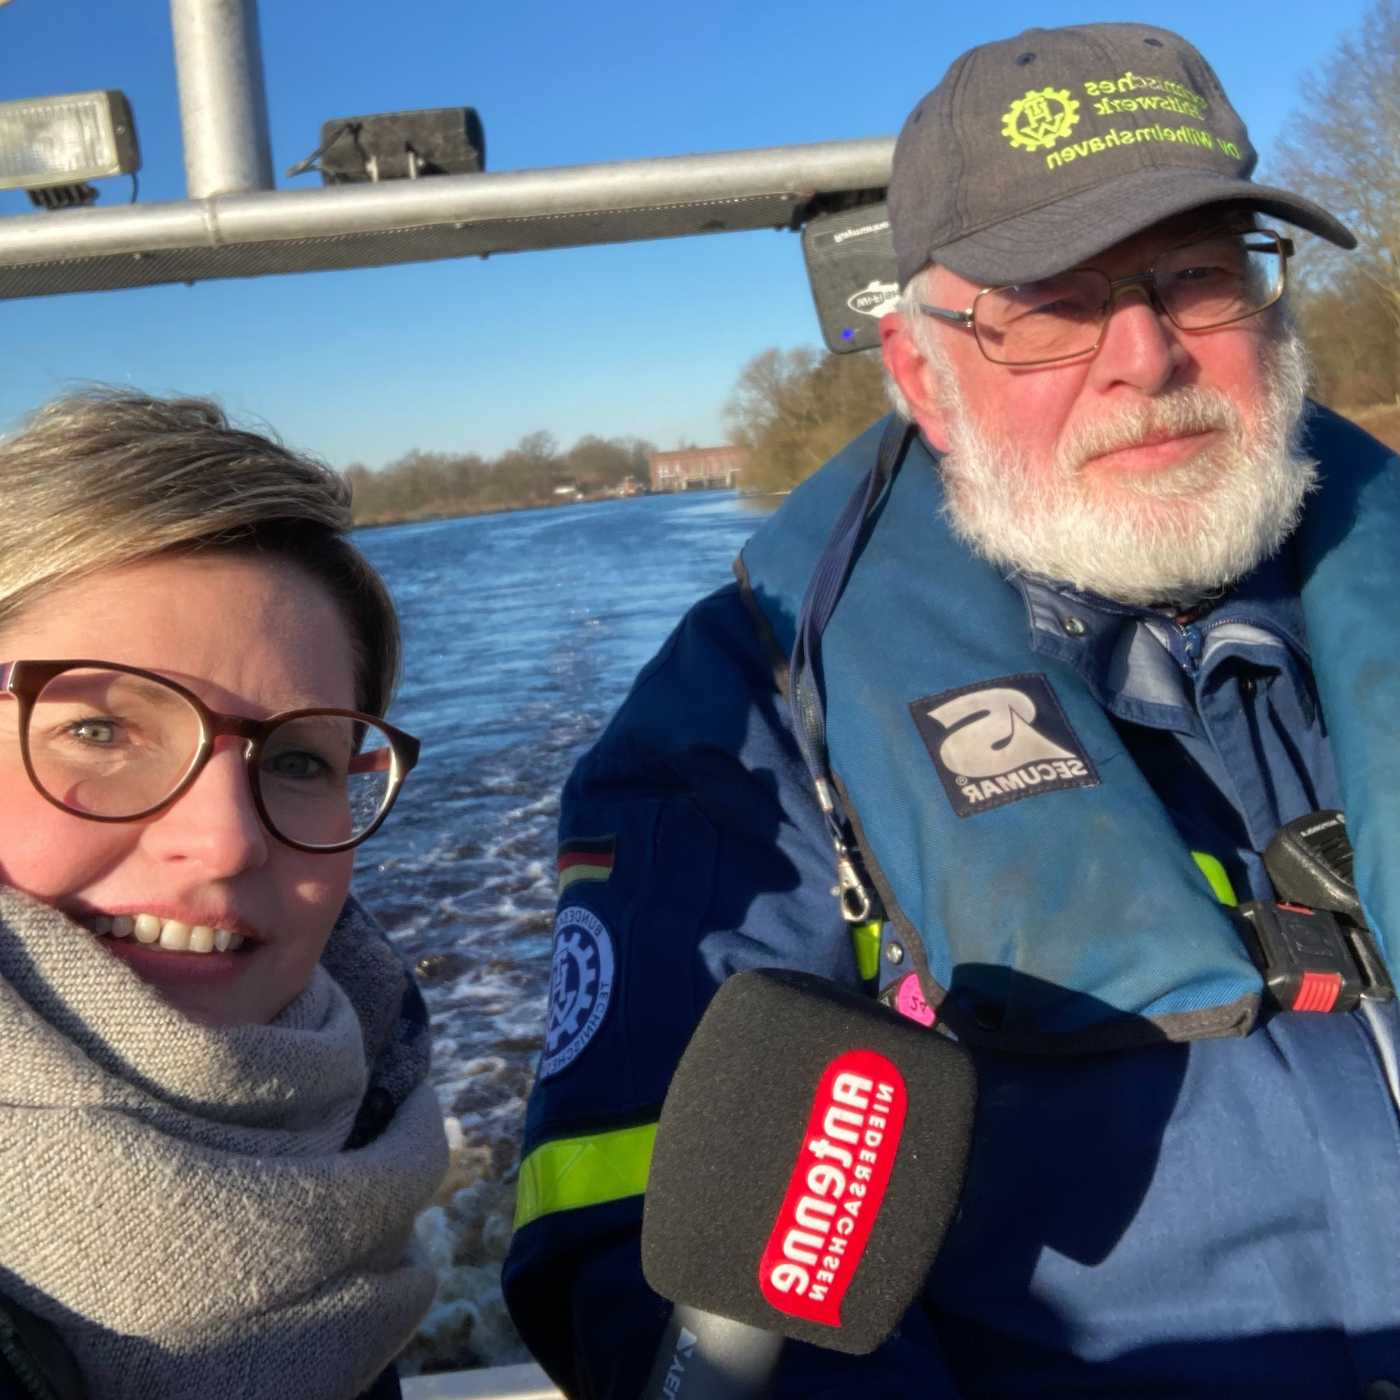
[{"x": 1040, "y": 118}]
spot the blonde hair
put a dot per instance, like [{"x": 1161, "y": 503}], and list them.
[{"x": 106, "y": 477}]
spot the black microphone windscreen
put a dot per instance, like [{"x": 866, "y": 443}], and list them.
[{"x": 809, "y": 1159}]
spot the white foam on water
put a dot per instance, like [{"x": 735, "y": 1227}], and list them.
[{"x": 505, "y": 695}]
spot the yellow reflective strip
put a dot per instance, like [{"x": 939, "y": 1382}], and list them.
[
  {"x": 584, "y": 1171},
  {"x": 1215, "y": 875},
  {"x": 865, "y": 938}
]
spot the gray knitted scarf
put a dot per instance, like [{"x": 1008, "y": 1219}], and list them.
[{"x": 213, "y": 1213}]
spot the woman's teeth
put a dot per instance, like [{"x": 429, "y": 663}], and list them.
[{"x": 168, "y": 933}]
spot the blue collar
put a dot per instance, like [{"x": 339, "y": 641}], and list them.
[{"x": 1137, "y": 661}]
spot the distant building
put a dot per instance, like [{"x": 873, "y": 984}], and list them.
[{"x": 695, "y": 468}]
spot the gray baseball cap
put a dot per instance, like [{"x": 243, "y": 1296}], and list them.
[{"x": 1037, "y": 152}]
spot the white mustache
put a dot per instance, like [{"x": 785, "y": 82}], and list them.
[
  {"x": 1180, "y": 414},
  {"x": 1170, "y": 535}
]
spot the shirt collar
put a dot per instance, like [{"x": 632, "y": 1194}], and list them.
[{"x": 1123, "y": 653}]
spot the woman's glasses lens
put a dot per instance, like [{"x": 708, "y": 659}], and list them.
[
  {"x": 325, "y": 778},
  {"x": 107, "y": 744},
  {"x": 104, "y": 743}
]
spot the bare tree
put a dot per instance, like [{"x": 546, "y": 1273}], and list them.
[
  {"x": 792, "y": 409},
  {"x": 1351, "y": 339},
  {"x": 1342, "y": 148}
]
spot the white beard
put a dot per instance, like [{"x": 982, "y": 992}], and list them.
[{"x": 1169, "y": 536}]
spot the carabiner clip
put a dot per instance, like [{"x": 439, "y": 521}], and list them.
[{"x": 850, "y": 893}]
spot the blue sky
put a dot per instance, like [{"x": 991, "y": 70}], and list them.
[{"x": 642, "y": 339}]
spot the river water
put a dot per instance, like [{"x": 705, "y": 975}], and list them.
[{"x": 522, "y": 633}]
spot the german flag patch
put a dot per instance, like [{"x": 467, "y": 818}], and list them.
[{"x": 585, "y": 858}]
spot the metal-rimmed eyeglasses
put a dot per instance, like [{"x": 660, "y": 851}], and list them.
[
  {"x": 115, "y": 743},
  {"x": 1209, "y": 282}
]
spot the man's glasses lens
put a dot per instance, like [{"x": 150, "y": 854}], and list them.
[
  {"x": 1045, "y": 320},
  {"x": 1222, "y": 280},
  {"x": 1205, "y": 284},
  {"x": 107, "y": 744}
]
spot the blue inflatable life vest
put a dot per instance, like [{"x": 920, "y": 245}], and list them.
[{"x": 1080, "y": 915}]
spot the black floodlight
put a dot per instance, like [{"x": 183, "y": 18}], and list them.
[
  {"x": 402, "y": 145},
  {"x": 66, "y": 140}
]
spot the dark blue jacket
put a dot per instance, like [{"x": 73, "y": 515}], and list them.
[{"x": 1211, "y": 1211}]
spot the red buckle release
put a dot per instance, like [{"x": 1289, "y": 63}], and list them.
[{"x": 1318, "y": 991}]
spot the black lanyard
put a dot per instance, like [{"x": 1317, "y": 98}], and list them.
[{"x": 807, "y": 696}]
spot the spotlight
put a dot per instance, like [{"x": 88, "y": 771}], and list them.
[{"x": 51, "y": 146}]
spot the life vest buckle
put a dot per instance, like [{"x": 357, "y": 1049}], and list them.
[{"x": 1312, "y": 960}]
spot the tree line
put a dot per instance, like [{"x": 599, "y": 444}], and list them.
[{"x": 533, "y": 472}]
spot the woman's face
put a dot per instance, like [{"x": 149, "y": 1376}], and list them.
[{"x": 249, "y": 637}]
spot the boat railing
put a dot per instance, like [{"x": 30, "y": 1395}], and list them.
[{"x": 526, "y": 1382}]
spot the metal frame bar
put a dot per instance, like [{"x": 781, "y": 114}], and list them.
[
  {"x": 236, "y": 224},
  {"x": 271, "y": 215},
  {"x": 223, "y": 100}
]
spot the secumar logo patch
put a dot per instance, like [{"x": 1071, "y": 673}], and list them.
[
  {"x": 580, "y": 987},
  {"x": 1040, "y": 118},
  {"x": 998, "y": 741}
]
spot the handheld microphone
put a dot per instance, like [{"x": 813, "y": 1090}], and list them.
[
  {"x": 808, "y": 1162},
  {"x": 1310, "y": 862}
]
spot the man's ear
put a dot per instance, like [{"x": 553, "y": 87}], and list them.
[{"x": 909, "y": 369}]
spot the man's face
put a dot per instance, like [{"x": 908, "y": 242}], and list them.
[{"x": 1156, "y": 468}]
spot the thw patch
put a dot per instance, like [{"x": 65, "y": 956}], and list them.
[
  {"x": 998, "y": 741},
  {"x": 580, "y": 987}
]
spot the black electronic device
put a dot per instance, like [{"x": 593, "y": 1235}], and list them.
[
  {"x": 851, "y": 268},
  {"x": 1310, "y": 861},
  {"x": 1312, "y": 947},
  {"x": 400, "y": 146}
]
